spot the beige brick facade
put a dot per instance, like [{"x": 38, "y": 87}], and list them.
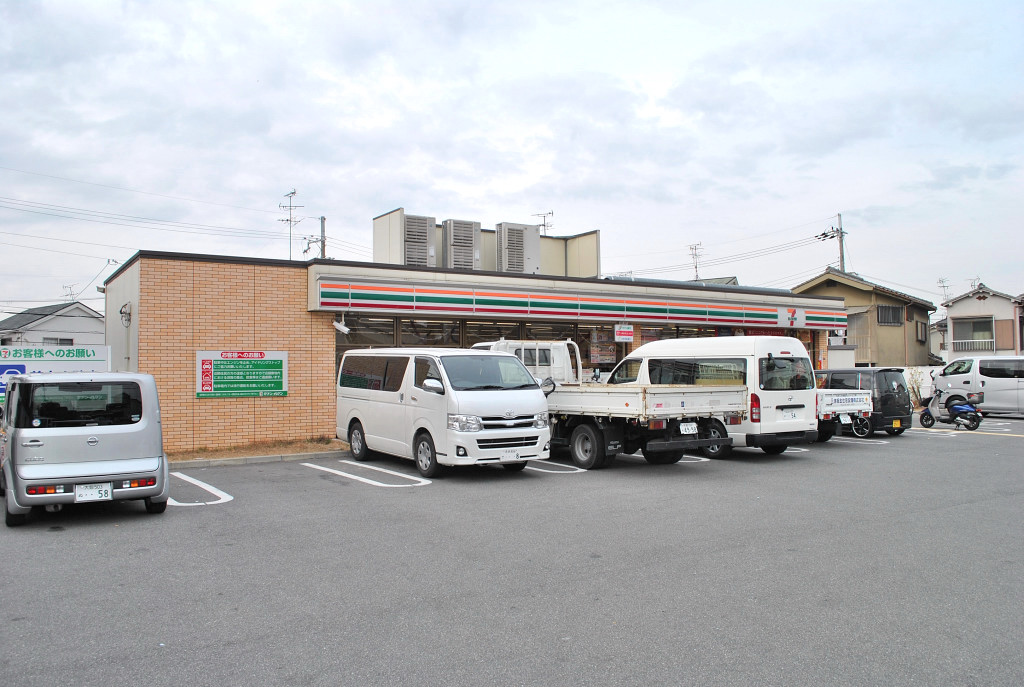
[{"x": 190, "y": 306}]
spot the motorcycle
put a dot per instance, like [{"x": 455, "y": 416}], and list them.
[{"x": 959, "y": 415}]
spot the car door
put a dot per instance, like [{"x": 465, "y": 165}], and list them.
[
  {"x": 428, "y": 409},
  {"x": 998, "y": 380}
]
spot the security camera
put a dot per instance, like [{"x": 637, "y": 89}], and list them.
[{"x": 340, "y": 326}]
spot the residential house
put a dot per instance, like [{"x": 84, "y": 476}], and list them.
[
  {"x": 61, "y": 324},
  {"x": 984, "y": 322},
  {"x": 886, "y": 327}
]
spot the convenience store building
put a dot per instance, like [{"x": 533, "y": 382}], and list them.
[{"x": 246, "y": 349}]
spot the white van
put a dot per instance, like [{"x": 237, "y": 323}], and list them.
[
  {"x": 1000, "y": 378},
  {"x": 74, "y": 437},
  {"x": 442, "y": 406},
  {"x": 559, "y": 360},
  {"x": 776, "y": 370}
]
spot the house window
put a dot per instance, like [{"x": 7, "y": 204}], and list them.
[
  {"x": 922, "y": 332},
  {"x": 890, "y": 315},
  {"x": 54, "y": 341},
  {"x": 973, "y": 334}
]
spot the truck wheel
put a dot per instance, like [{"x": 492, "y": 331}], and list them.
[
  {"x": 357, "y": 441},
  {"x": 714, "y": 429},
  {"x": 773, "y": 450},
  {"x": 587, "y": 447},
  {"x": 861, "y": 426},
  {"x": 426, "y": 457},
  {"x": 662, "y": 457}
]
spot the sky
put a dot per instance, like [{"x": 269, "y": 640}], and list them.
[{"x": 736, "y": 132}]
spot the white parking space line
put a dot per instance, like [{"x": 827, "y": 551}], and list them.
[
  {"x": 857, "y": 440},
  {"x": 416, "y": 481},
  {"x": 222, "y": 497},
  {"x": 568, "y": 469}
]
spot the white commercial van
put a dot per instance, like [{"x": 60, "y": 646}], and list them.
[
  {"x": 776, "y": 370},
  {"x": 75, "y": 437},
  {"x": 442, "y": 406},
  {"x": 999, "y": 378}
]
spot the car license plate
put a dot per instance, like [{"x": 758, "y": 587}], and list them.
[
  {"x": 845, "y": 420},
  {"x": 510, "y": 454},
  {"x": 895, "y": 423},
  {"x": 93, "y": 492},
  {"x": 687, "y": 427},
  {"x": 788, "y": 414}
]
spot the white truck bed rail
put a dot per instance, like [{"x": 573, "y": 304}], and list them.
[{"x": 646, "y": 402}]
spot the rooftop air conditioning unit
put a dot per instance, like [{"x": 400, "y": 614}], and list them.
[
  {"x": 518, "y": 247},
  {"x": 461, "y": 244},
  {"x": 420, "y": 239}
]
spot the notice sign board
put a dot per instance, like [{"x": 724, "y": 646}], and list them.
[
  {"x": 21, "y": 359},
  {"x": 221, "y": 374},
  {"x": 623, "y": 332}
]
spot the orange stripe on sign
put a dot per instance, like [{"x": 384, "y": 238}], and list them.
[
  {"x": 656, "y": 303},
  {"x": 325, "y": 285},
  {"x": 395, "y": 289},
  {"x": 445, "y": 291}
]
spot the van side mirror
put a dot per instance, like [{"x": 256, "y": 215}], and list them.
[
  {"x": 547, "y": 386},
  {"x": 434, "y": 386}
]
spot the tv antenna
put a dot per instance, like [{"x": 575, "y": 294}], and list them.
[
  {"x": 544, "y": 224},
  {"x": 695, "y": 252},
  {"x": 291, "y": 217}
]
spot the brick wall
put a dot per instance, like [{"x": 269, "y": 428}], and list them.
[{"x": 187, "y": 306}]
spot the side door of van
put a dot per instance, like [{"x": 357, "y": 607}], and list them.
[
  {"x": 1002, "y": 380},
  {"x": 957, "y": 377},
  {"x": 428, "y": 409},
  {"x": 384, "y": 421}
]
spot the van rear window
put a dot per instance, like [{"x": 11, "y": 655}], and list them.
[
  {"x": 78, "y": 404},
  {"x": 377, "y": 372},
  {"x": 785, "y": 373}
]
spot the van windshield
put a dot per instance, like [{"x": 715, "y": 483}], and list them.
[
  {"x": 785, "y": 373},
  {"x": 487, "y": 372},
  {"x": 78, "y": 404}
]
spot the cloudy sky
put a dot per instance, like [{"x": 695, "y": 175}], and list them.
[{"x": 744, "y": 127}]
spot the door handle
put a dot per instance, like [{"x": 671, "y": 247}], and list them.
[
  {"x": 32, "y": 443},
  {"x": 413, "y": 398}
]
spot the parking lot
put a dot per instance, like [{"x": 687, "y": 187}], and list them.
[{"x": 885, "y": 560}]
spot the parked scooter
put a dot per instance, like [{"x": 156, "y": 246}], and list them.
[{"x": 959, "y": 415}]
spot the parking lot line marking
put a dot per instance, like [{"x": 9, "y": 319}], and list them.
[
  {"x": 858, "y": 440},
  {"x": 569, "y": 469},
  {"x": 222, "y": 497},
  {"x": 998, "y": 433},
  {"x": 418, "y": 481}
]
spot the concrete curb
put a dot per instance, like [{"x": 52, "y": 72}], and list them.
[{"x": 253, "y": 460}]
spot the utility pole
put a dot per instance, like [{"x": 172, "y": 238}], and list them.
[
  {"x": 842, "y": 245},
  {"x": 323, "y": 237},
  {"x": 291, "y": 219}
]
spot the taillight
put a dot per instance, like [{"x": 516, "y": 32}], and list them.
[
  {"x": 135, "y": 483},
  {"x": 656, "y": 424},
  {"x": 755, "y": 408},
  {"x": 46, "y": 489}
]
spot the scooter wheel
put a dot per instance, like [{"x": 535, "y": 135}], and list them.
[
  {"x": 972, "y": 422},
  {"x": 926, "y": 420}
]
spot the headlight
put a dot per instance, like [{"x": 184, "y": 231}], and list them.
[
  {"x": 465, "y": 423},
  {"x": 540, "y": 420}
]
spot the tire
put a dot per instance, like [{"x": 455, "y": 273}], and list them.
[
  {"x": 954, "y": 401},
  {"x": 927, "y": 420},
  {"x": 824, "y": 436},
  {"x": 514, "y": 467},
  {"x": 662, "y": 457},
  {"x": 155, "y": 507},
  {"x": 425, "y": 456},
  {"x": 714, "y": 429},
  {"x": 774, "y": 450},
  {"x": 357, "y": 441},
  {"x": 861, "y": 426},
  {"x": 631, "y": 446},
  {"x": 587, "y": 448},
  {"x": 972, "y": 422},
  {"x": 13, "y": 519}
]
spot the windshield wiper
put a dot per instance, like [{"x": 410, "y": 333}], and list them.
[
  {"x": 483, "y": 387},
  {"x": 528, "y": 385}
]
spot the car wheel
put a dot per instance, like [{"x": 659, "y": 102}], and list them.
[
  {"x": 895, "y": 431},
  {"x": 861, "y": 426},
  {"x": 587, "y": 448},
  {"x": 662, "y": 457},
  {"x": 926, "y": 420},
  {"x": 773, "y": 450},
  {"x": 155, "y": 507},
  {"x": 514, "y": 467},
  {"x": 824, "y": 435},
  {"x": 714, "y": 429},
  {"x": 357, "y": 441},
  {"x": 12, "y": 519},
  {"x": 426, "y": 457}
]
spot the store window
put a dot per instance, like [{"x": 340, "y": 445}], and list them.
[
  {"x": 597, "y": 346},
  {"x": 549, "y": 331},
  {"x": 363, "y": 332},
  {"x": 443, "y": 333},
  {"x": 490, "y": 331}
]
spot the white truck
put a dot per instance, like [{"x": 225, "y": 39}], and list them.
[
  {"x": 597, "y": 421},
  {"x": 843, "y": 408}
]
